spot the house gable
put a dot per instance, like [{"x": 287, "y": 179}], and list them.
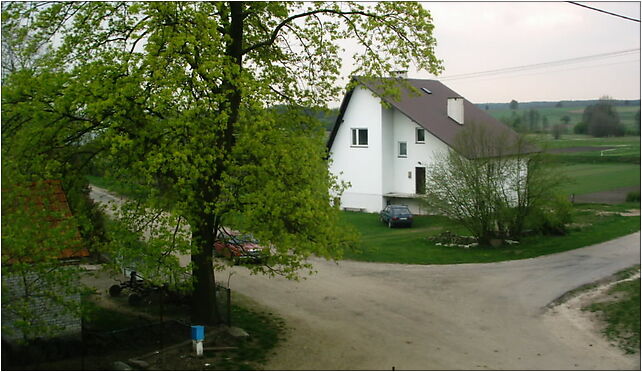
[{"x": 427, "y": 105}]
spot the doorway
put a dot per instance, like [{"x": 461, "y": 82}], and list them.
[{"x": 420, "y": 180}]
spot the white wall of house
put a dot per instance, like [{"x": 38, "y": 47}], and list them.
[
  {"x": 403, "y": 172},
  {"x": 361, "y": 166},
  {"x": 377, "y": 169}
]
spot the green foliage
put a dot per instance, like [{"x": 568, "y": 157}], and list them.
[
  {"x": 581, "y": 128},
  {"x": 514, "y": 105},
  {"x": 553, "y": 218},
  {"x": 493, "y": 186},
  {"x": 177, "y": 96},
  {"x": 36, "y": 233},
  {"x": 602, "y": 120},
  {"x": 633, "y": 196}
]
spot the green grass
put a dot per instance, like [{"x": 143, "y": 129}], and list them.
[
  {"x": 409, "y": 246},
  {"x": 587, "y": 178},
  {"x": 265, "y": 331},
  {"x": 621, "y": 314}
]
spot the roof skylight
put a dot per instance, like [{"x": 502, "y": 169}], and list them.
[{"x": 426, "y": 90}]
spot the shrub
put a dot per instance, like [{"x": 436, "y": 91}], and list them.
[
  {"x": 553, "y": 218},
  {"x": 633, "y": 196}
]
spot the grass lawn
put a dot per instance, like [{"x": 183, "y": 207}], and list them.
[
  {"x": 409, "y": 245},
  {"x": 622, "y": 314},
  {"x": 587, "y": 178}
]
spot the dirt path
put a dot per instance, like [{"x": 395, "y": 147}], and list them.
[
  {"x": 614, "y": 196},
  {"x": 358, "y": 315}
]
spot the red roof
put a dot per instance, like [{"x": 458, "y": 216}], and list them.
[{"x": 50, "y": 194}]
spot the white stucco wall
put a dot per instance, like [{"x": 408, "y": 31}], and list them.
[
  {"x": 361, "y": 166},
  {"x": 377, "y": 169},
  {"x": 404, "y": 130}
]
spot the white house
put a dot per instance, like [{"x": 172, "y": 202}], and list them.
[{"x": 381, "y": 144}]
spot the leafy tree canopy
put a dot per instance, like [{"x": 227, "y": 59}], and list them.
[
  {"x": 602, "y": 120},
  {"x": 177, "y": 94}
]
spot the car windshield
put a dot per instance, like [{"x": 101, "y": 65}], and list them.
[{"x": 400, "y": 210}]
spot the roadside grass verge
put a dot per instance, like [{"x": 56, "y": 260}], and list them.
[
  {"x": 378, "y": 243},
  {"x": 621, "y": 312}
]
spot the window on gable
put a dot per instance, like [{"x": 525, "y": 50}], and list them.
[
  {"x": 359, "y": 137},
  {"x": 420, "y": 135},
  {"x": 403, "y": 149}
]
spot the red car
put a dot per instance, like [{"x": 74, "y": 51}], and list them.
[{"x": 239, "y": 247}]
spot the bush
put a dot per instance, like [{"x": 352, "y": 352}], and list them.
[
  {"x": 633, "y": 196},
  {"x": 580, "y": 128},
  {"x": 552, "y": 219}
]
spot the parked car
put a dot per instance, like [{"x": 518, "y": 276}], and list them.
[
  {"x": 396, "y": 215},
  {"x": 240, "y": 248}
]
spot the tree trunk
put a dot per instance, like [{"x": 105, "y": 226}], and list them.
[{"x": 204, "y": 302}]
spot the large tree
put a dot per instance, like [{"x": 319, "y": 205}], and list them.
[
  {"x": 602, "y": 120},
  {"x": 178, "y": 94}
]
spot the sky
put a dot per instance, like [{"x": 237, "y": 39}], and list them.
[{"x": 481, "y": 36}]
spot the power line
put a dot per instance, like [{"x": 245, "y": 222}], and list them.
[
  {"x": 553, "y": 71},
  {"x": 541, "y": 65},
  {"x": 604, "y": 11}
]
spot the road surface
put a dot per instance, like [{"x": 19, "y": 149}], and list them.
[
  {"x": 372, "y": 316},
  {"x": 358, "y": 315}
]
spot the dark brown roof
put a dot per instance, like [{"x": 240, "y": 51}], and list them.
[{"x": 430, "y": 110}]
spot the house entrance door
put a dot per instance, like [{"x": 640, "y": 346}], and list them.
[{"x": 420, "y": 180}]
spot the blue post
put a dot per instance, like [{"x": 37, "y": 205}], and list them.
[{"x": 198, "y": 335}]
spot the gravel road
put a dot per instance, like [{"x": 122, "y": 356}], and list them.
[{"x": 356, "y": 315}]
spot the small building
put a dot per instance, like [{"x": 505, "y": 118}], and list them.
[
  {"x": 381, "y": 144},
  {"x": 37, "y": 253}
]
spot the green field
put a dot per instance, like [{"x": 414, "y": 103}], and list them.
[
  {"x": 593, "y": 171},
  {"x": 554, "y": 114},
  {"x": 588, "y": 178}
]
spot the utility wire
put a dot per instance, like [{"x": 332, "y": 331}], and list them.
[
  {"x": 604, "y": 11},
  {"x": 519, "y": 74},
  {"x": 540, "y": 65}
]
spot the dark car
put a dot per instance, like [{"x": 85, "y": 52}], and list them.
[
  {"x": 396, "y": 215},
  {"x": 239, "y": 248}
]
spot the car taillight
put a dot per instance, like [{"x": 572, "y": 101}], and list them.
[{"x": 395, "y": 218}]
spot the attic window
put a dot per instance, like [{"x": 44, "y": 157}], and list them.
[
  {"x": 426, "y": 90},
  {"x": 420, "y": 135}
]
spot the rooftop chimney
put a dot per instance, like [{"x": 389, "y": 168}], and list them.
[
  {"x": 456, "y": 109},
  {"x": 402, "y": 74}
]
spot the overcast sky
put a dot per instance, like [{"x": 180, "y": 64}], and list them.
[{"x": 481, "y": 36}]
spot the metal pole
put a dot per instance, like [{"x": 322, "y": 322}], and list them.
[{"x": 229, "y": 307}]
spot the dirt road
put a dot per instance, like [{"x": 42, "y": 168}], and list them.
[{"x": 358, "y": 315}]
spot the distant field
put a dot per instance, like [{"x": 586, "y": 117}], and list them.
[
  {"x": 588, "y": 178},
  {"x": 614, "y": 148},
  {"x": 554, "y": 114}
]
